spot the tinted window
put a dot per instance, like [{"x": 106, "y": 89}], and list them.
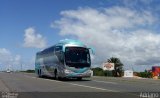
[{"x": 77, "y": 56}]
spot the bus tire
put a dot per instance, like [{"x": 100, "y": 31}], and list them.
[
  {"x": 55, "y": 74},
  {"x": 40, "y": 74}
]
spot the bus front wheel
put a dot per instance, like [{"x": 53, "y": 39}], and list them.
[{"x": 79, "y": 78}]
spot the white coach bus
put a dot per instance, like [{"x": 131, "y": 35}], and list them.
[{"x": 67, "y": 59}]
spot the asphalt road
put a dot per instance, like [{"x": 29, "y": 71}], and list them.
[{"x": 29, "y": 86}]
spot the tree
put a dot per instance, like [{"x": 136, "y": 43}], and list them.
[
  {"x": 98, "y": 71},
  {"x": 145, "y": 74},
  {"x": 118, "y": 66}
]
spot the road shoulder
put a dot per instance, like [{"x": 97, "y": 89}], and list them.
[{"x": 3, "y": 87}]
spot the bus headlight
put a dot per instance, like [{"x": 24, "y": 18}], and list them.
[
  {"x": 89, "y": 72},
  {"x": 67, "y": 71}
]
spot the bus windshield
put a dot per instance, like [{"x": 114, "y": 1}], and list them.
[{"x": 77, "y": 57}]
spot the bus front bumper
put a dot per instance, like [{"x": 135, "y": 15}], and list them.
[{"x": 70, "y": 74}]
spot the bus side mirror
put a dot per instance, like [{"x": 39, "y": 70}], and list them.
[{"x": 93, "y": 50}]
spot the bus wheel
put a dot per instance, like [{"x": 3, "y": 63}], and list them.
[
  {"x": 55, "y": 74},
  {"x": 79, "y": 78},
  {"x": 40, "y": 73}
]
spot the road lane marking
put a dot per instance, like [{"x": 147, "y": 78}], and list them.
[
  {"x": 34, "y": 77},
  {"x": 83, "y": 85},
  {"x": 92, "y": 87},
  {"x": 105, "y": 82}
]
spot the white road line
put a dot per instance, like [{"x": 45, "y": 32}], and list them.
[
  {"x": 93, "y": 87},
  {"x": 105, "y": 82},
  {"x": 76, "y": 84},
  {"x": 29, "y": 76},
  {"x": 82, "y": 85}
]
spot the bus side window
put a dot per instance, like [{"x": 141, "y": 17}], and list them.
[
  {"x": 58, "y": 48},
  {"x": 59, "y": 53}
]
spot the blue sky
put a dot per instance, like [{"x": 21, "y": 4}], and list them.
[{"x": 27, "y": 26}]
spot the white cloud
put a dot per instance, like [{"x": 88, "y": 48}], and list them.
[
  {"x": 7, "y": 59},
  {"x": 116, "y": 31},
  {"x": 5, "y": 56},
  {"x": 17, "y": 60},
  {"x": 33, "y": 39}
]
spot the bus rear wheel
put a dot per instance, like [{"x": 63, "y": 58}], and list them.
[
  {"x": 55, "y": 74},
  {"x": 39, "y": 73}
]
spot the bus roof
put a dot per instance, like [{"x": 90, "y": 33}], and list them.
[
  {"x": 68, "y": 42},
  {"x": 71, "y": 42}
]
